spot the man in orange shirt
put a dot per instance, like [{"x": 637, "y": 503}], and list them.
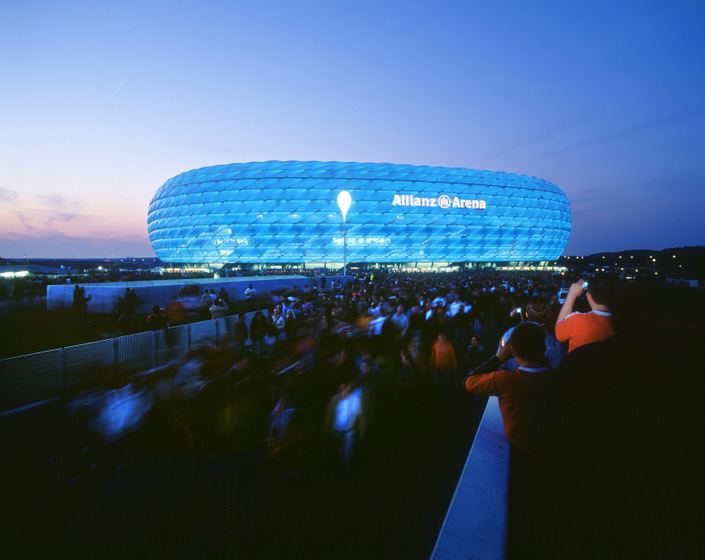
[
  {"x": 519, "y": 391},
  {"x": 578, "y": 329}
]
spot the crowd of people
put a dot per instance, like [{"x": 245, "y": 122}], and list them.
[
  {"x": 396, "y": 336},
  {"x": 588, "y": 391}
]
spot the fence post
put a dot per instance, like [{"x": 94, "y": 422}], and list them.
[
  {"x": 116, "y": 349},
  {"x": 155, "y": 349},
  {"x": 63, "y": 372}
]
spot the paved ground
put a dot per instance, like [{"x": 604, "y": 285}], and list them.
[{"x": 64, "y": 497}]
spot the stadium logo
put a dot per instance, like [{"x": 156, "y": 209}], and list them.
[{"x": 443, "y": 201}]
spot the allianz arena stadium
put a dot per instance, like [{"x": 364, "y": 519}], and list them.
[{"x": 279, "y": 212}]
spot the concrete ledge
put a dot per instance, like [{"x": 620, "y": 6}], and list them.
[{"x": 475, "y": 526}]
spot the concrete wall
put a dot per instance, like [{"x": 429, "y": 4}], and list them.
[
  {"x": 105, "y": 296},
  {"x": 475, "y": 526}
]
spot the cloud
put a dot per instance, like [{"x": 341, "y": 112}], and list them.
[
  {"x": 635, "y": 131},
  {"x": 65, "y": 247},
  {"x": 22, "y": 223},
  {"x": 8, "y": 195},
  {"x": 40, "y": 218},
  {"x": 104, "y": 235},
  {"x": 42, "y": 212},
  {"x": 56, "y": 200},
  {"x": 538, "y": 137}
]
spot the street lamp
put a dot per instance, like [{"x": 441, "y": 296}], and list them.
[{"x": 344, "y": 201}]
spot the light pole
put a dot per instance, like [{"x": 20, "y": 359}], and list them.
[{"x": 344, "y": 200}]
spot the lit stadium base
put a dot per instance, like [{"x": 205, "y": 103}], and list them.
[{"x": 429, "y": 266}]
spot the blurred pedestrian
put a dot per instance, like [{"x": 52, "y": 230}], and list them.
[
  {"x": 240, "y": 334},
  {"x": 219, "y": 309},
  {"x": 443, "y": 364},
  {"x": 157, "y": 319}
]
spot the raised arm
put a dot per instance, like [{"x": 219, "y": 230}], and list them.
[
  {"x": 576, "y": 290},
  {"x": 504, "y": 353}
]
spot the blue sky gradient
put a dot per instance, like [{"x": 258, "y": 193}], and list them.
[{"x": 102, "y": 103}]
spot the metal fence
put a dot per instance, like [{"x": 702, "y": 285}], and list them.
[{"x": 35, "y": 379}]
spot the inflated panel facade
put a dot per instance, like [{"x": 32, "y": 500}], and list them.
[{"x": 287, "y": 212}]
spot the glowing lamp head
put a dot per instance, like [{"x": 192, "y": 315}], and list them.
[{"x": 344, "y": 201}]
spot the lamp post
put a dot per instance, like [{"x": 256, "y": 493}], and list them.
[{"x": 344, "y": 200}]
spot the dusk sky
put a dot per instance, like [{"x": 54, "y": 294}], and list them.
[{"x": 101, "y": 103}]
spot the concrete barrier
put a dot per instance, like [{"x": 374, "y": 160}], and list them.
[
  {"x": 104, "y": 297},
  {"x": 475, "y": 526}
]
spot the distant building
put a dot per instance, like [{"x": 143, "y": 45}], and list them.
[
  {"x": 21, "y": 270},
  {"x": 287, "y": 212}
]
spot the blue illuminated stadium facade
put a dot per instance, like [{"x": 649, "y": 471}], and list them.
[{"x": 286, "y": 212}]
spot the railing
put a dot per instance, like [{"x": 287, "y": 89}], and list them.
[{"x": 34, "y": 379}]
